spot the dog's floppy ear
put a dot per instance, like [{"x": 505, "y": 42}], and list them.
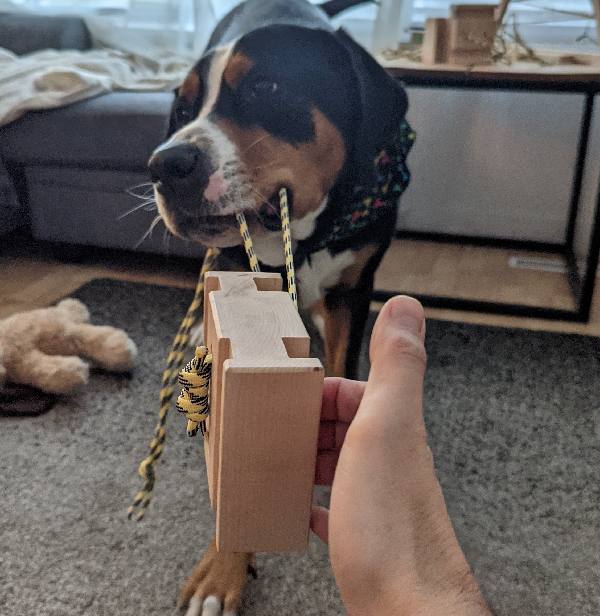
[
  {"x": 382, "y": 106},
  {"x": 171, "y": 123}
]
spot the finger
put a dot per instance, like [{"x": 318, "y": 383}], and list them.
[
  {"x": 319, "y": 522},
  {"x": 340, "y": 434},
  {"x": 330, "y": 391},
  {"x": 341, "y": 398},
  {"x": 331, "y": 435},
  {"x": 325, "y": 467},
  {"x": 349, "y": 396},
  {"x": 326, "y": 438},
  {"x": 394, "y": 391}
]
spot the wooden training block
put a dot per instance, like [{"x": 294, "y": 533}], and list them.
[
  {"x": 471, "y": 34},
  {"x": 465, "y": 39},
  {"x": 265, "y": 410},
  {"x": 435, "y": 43}
]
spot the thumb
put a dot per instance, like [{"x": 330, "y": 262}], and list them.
[{"x": 394, "y": 390}]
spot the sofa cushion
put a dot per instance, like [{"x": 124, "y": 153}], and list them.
[
  {"x": 22, "y": 33},
  {"x": 112, "y": 131},
  {"x": 93, "y": 207}
]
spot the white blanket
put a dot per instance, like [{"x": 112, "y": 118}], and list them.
[{"x": 48, "y": 79}]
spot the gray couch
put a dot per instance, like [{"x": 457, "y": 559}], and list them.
[{"x": 71, "y": 167}]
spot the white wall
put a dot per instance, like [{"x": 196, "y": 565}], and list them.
[{"x": 496, "y": 163}]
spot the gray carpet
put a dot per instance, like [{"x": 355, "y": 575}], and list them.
[{"x": 514, "y": 426}]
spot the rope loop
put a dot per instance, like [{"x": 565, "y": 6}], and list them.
[{"x": 193, "y": 400}]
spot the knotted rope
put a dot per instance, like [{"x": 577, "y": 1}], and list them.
[
  {"x": 169, "y": 378},
  {"x": 193, "y": 401}
]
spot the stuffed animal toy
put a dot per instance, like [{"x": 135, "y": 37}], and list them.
[{"x": 42, "y": 347}]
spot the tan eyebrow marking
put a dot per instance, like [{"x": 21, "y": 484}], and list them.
[
  {"x": 237, "y": 67},
  {"x": 190, "y": 87}
]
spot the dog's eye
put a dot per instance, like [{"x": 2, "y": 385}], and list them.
[
  {"x": 183, "y": 114},
  {"x": 264, "y": 88}
]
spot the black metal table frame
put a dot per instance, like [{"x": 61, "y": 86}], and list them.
[{"x": 582, "y": 285}]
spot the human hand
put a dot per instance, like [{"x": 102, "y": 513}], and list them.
[{"x": 392, "y": 546}]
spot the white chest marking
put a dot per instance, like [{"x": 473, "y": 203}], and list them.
[
  {"x": 304, "y": 227},
  {"x": 324, "y": 271},
  {"x": 269, "y": 247}
]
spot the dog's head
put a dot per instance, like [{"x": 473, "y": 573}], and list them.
[{"x": 283, "y": 106}]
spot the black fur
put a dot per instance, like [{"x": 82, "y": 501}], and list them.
[{"x": 288, "y": 79}]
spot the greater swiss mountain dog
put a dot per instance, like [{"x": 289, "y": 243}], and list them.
[{"x": 282, "y": 99}]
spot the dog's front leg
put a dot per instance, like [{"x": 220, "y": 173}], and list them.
[
  {"x": 216, "y": 584},
  {"x": 342, "y": 316}
]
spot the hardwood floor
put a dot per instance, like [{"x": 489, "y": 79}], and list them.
[
  {"x": 482, "y": 274},
  {"x": 32, "y": 275}
]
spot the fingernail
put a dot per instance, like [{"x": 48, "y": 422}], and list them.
[{"x": 407, "y": 317}]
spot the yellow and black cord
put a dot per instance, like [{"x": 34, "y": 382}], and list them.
[
  {"x": 169, "y": 379},
  {"x": 193, "y": 400}
]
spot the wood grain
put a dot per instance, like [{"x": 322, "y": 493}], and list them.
[
  {"x": 519, "y": 71},
  {"x": 265, "y": 410}
]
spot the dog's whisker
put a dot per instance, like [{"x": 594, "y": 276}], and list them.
[
  {"x": 144, "y": 197},
  {"x": 256, "y": 142},
  {"x": 138, "y": 186},
  {"x": 145, "y": 204},
  {"x": 133, "y": 190},
  {"x": 149, "y": 231},
  {"x": 273, "y": 162},
  {"x": 266, "y": 202},
  {"x": 166, "y": 240},
  {"x": 259, "y": 194}
]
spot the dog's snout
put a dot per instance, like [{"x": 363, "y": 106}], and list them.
[
  {"x": 180, "y": 169},
  {"x": 174, "y": 162}
]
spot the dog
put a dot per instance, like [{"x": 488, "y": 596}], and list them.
[{"x": 280, "y": 99}]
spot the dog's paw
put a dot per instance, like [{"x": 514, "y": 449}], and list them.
[
  {"x": 216, "y": 584},
  {"x": 197, "y": 335}
]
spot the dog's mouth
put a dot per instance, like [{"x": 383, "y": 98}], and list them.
[
  {"x": 266, "y": 215},
  {"x": 269, "y": 213}
]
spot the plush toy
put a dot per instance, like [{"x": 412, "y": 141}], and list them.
[{"x": 41, "y": 347}]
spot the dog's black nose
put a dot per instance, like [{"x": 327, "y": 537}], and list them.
[{"x": 176, "y": 162}]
